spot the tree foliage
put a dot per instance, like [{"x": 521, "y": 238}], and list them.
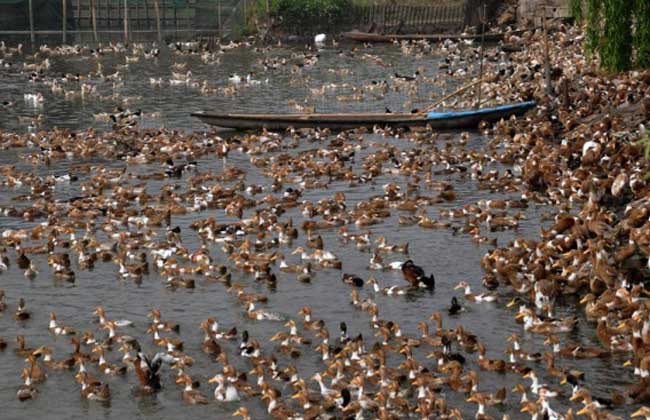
[
  {"x": 618, "y": 30},
  {"x": 642, "y": 33},
  {"x": 576, "y": 10},
  {"x": 616, "y": 50},
  {"x": 593, "y": 24},
  {"x": 308, "y": 16}
]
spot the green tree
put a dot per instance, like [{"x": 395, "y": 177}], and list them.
[
  {"x": 616, "y": 50},
  {"x": 642, "y": 33},
  {"x": 576, "y": 10},
  {"x": 593, "y": 25}
]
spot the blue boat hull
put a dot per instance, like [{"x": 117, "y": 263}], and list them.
[{"x": 436, "y": 120}]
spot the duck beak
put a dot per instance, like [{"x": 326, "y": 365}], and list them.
[
  {"x": 583, "y": 411},
  {"x": 512, "y": 303},
  {"x": 520, "y": 315},
  {"x": 212, "y": 380},
  {"x": 458, "y": 286},
  {"x": 574, "y": 398},
  {"x": 563, "y": 381},
  {"x": 627, "y": 363},
  {"x": 584, "y": 300}
]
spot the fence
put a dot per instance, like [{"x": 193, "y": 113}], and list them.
[
  {"x": 419, "y": 19},
  {"x": 123, "y": 20},
  {"x": 163, "y": 20}
]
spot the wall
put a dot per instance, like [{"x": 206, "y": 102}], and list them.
[{"x": 530, "y": 11}]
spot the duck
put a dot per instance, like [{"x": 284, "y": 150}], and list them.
[
  {"x": 155, "y": 315},
  {"x": 22, "y": 349},
  {"x": 642, "y": 412},
  {"x": 387, "y": 291},
  {"x": 225, "y": 391},
  {"x": 495, "y": 365},
  {"x": 147, "y": 371},
  {"x": 275, "y": 408},
  {"x": 101, "y": 315},
  {"x": 243, "y": 412},
  {"x": 533, "y": 324},
  {"x": 191, "y": 395},
  {"x": 21, "y": 313},
  {"x": 92, "y": 389},
  {"x": 260, "y": 315},
  {"x": 352, "y": 279},
  {"x": 481, "y": 297},
  {"x": 415, "y": 275},
  {"x": 31, "y": 271},
  {"x": 455, "y": 307},
  {"x": 382, "y": 246},
  {"x": 308, "y": 323},
  {"x": 57, "y": 329},
  {"x": 306, "y": 275},
  {"x": 104, "y": 366},
  {"x": 26, "y": 391},
  {"x": 46, "y": 353}
]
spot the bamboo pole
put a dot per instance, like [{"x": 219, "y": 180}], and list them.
[
  {"x": 93, "y": 16},
  {"x": 454, "y": 93},
  {"x": 126, "y": 22},
  {"x": 156, "y": 4},
  {"x": 64, "y": 24},
  {"x": 547, "y": 60},
  {"x": 147, "y": 16},
  {"x": 32, "y": 35},
  {"x": 219, "y": 18},
  {"x": 77, "y": 19},
  {"x": 480, "y": 74},
  {"x": 245, "y": 17}
]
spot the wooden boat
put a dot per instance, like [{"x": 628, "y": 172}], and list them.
[
  {"x": 372, "y": 37},
  {"x": 436, "y": 120}
]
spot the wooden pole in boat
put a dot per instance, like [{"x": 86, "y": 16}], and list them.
[
  {"x": 32, "y": 36},
  {"x": 454, "y": 93},
  {"x": 93, "y": 15},
  {"x": 480, "y": 74},
  {"x": 64, "y": 24},
  {"x": 126, "y": 22},
  {"x": 156, "y": 5}
]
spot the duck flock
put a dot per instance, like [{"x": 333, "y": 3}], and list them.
[{"x": 147, "y": 207}]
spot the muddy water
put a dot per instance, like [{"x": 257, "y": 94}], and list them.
[{"x": 451, "y": 257}]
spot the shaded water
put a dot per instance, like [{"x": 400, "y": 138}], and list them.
[{"x": 451, "y": 257}]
